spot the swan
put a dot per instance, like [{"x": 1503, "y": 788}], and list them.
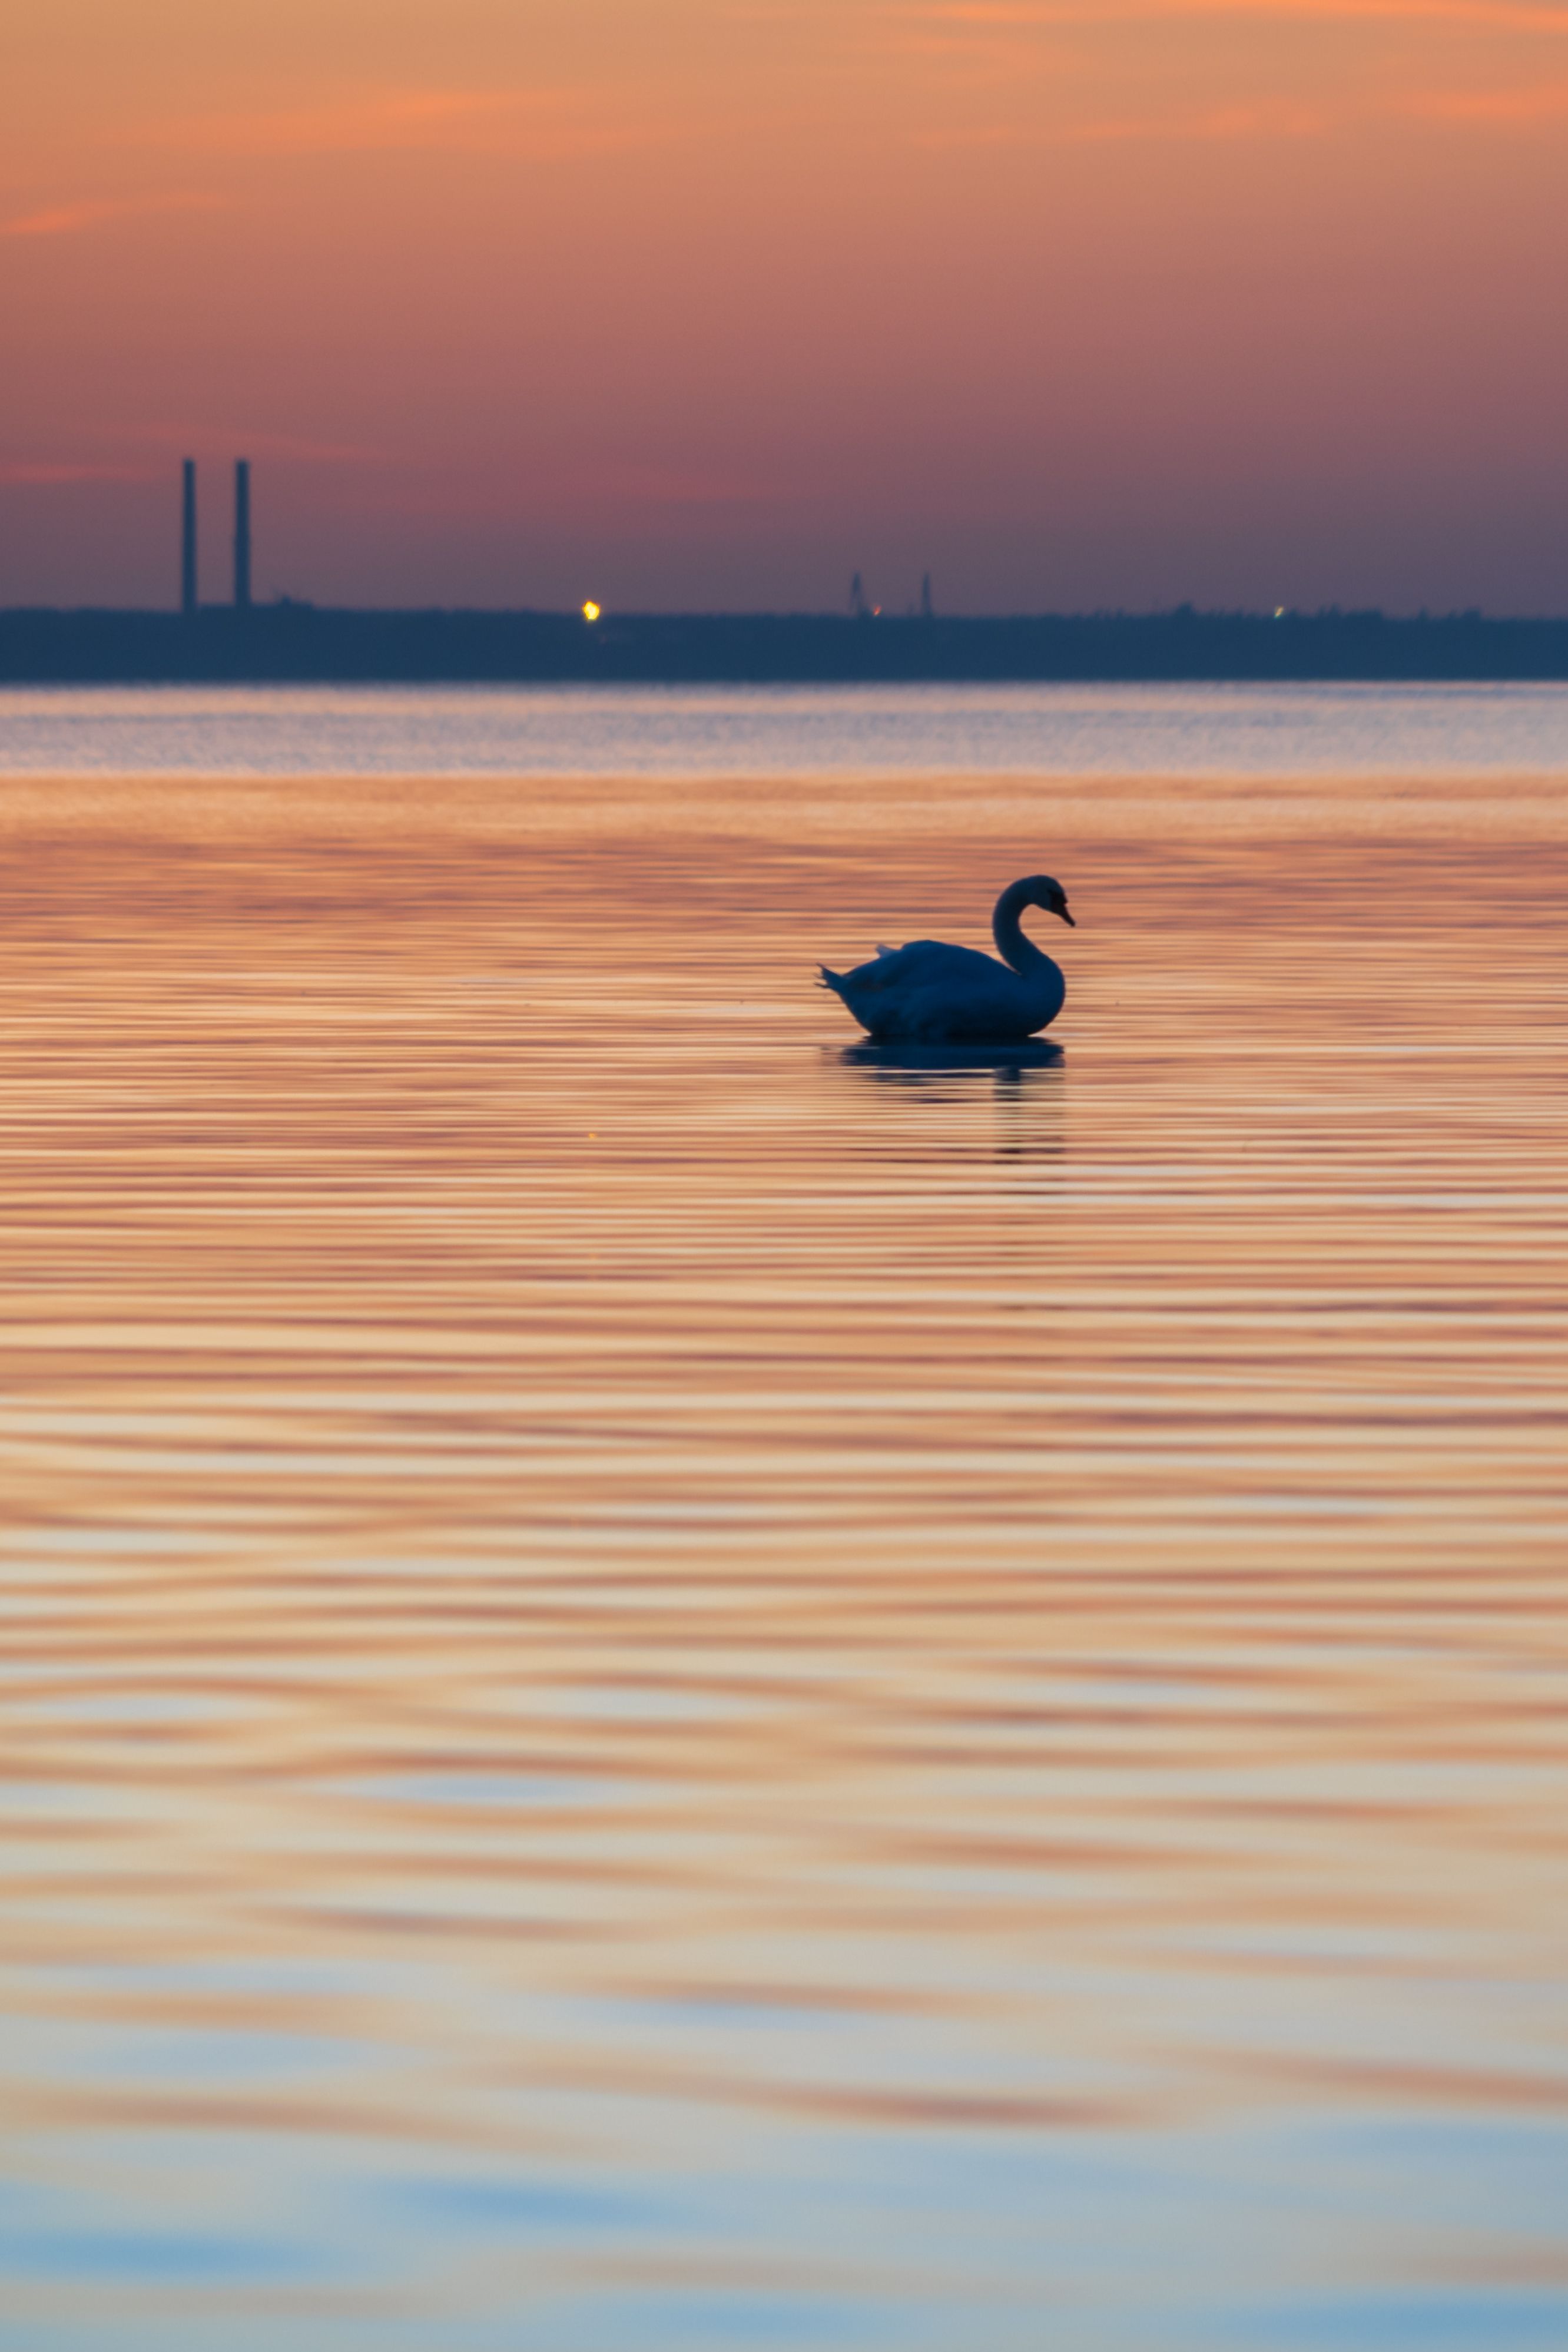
[{"x": 931, "y": 993}]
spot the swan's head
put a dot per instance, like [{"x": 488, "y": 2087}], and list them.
[{"x": 1050, "y": 896}]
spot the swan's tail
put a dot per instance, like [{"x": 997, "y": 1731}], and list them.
[{"x": 833, "y": 980}]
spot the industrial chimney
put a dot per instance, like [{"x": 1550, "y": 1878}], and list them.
[
  {"x": 188, "y": 541},
  {"x": 242, "y": 534}
]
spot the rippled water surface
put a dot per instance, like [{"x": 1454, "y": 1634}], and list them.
[{"x": 663, "y": 1688}]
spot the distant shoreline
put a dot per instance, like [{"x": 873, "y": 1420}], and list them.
[{"x": 297, "y": 644}]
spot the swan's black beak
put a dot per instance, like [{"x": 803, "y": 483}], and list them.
[{"x": 1067, "y": 918}]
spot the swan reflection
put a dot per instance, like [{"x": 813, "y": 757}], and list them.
[
  {"x": 1030, "y": 1054},
  {"x": 1018, "y": 1092}
]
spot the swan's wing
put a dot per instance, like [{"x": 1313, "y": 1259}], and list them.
[
  {"x": 906, "y": 968},
  {"x": 922, "y": 964},
  {"x": 930, "y": 990}
]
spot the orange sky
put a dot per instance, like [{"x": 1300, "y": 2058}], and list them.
[{"x": 709, "y": 302}]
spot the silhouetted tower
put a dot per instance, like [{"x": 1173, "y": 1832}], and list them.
[
  {"x": 925, "y": 597},
  {"x": 858, "y": 605},
  {"x": 242, "y": 533},
  {"x": 188, "y": 539}
]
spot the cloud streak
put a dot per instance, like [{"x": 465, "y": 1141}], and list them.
[
  {"x": 102, "y": 210},
  {"x": 223, "y": 441},
  {"x": 1268, "y": 119},
  {"x": 99, "y": 212},
  {"x": 1025, "y": 15},
  {"x": 549, "y": 123},
  {"x": 1458, "y": 110},
  {"x": 1542, "y": 102},
  {"x": 29, "y": 474}
]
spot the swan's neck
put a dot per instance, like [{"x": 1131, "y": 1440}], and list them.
[{"x": 1007, "y": 930}]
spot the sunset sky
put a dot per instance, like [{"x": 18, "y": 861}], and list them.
[{"x": 707, "y": 303}]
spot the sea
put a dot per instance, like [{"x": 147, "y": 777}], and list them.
[{"x": 665, "y": 1684}]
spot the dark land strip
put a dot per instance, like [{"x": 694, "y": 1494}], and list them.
[{"x": 289, "y": 643}]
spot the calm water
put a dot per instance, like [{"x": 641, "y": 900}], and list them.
[
  {"x": 661, "y": 1689},
  {"x": 879, "y": 732}
]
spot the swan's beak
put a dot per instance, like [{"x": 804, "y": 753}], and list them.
[{"x": 1067, "y": 918}]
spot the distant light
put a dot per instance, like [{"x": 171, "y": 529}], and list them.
[
  {"x": 1279, "y": 612},
  {"x": 591, "y": 611},
  {"x": 876, "y": 611}
]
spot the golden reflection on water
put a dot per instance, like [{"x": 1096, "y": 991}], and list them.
[{"x": 656, "y": 1678}]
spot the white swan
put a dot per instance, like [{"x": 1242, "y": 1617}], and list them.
[{"x": 930, "y": 993}]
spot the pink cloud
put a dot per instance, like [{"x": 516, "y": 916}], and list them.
[
  {"x": 1021, "y": 16},
  {"x": 48, "y": 475},
  {"x": 69, "y": 220},
  {"x": 225, "y": 441},
  {"x": 1268, "y": 118},
  {"x": 1545, "y": 102},
  {"x": 552, "y": 122}
]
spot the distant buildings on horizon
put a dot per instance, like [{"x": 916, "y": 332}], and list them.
[
  {"x": 189, "y": 597},
  {"x": 1182, "y": 642}
]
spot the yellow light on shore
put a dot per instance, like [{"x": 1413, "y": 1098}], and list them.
[{"x": 591, "y": 611}]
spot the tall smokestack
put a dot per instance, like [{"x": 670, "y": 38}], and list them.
[
  {"x": 242, "y": 533},
  {"x": 188, "y": 541}
]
